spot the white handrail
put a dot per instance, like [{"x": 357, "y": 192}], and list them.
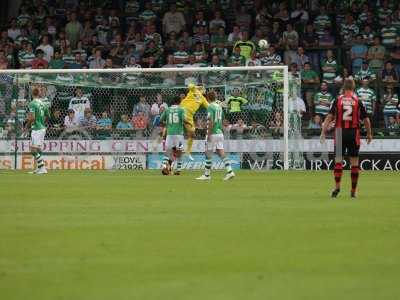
[{"x": 141, "y": 70}]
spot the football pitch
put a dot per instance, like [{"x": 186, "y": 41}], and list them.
[{"x": 139, "y": 235}]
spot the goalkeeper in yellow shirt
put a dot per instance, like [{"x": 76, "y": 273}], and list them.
[{"x": 191, "y": 103}]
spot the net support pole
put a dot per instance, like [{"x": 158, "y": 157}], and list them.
[{"x": 286, "y": 118}]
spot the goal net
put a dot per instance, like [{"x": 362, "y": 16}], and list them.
[{"x": 109, "y": 118}]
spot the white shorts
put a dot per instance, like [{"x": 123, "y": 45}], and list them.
[
  {"x": 216, "y": 142},
  {"x": 174, "y": 141},
  {"x": 37, "y": 137}
]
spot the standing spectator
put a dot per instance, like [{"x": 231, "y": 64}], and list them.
[
  {"x": 367, "y": 96},
  {"x": 389, "y": 33},
  {"x": 71, "y": 122},
  {"x": 359, "y": 52},
  {"x": 13, "y": 31},
  {"x": 368, "y": 35},
  {"x": 365, "y": 72},
  {"x": 290, "y": 38},
  {"x": 395, "y": 56},
  {"x": 47, "y": 49},
  {"x": 156, "y": 107},
  {"x": 376, "y": 55},
  {"x": 329, "y": 68},
  {"x": 73, "y": 30},
  {"x": 275, "y": 36},
  {"x": 104, "y": 126},
  {"x": 300, "y": 58},
  {"x": 147, "y": 15},
  {"x": 383, "y": 12},
  {"x": 391, "y": 105},
  {"x": 243, "y": 18},
  {"x": 315, "y": 123},
  {"x": 27, "y": 57},
  {"x": 236, "y": 59},
  {"x": 235, "y": 35},
  {"x": 389, "y": 74},
  {"x": 349, "y": 30},
  {"x": 300, "y": 15},
  {"x": 173, "y": 20},
  {"x": 219, "y": 37},
  {"x": 141, "y": 106},
  {"x": 323, "y": 100},
  {"x": 322, "y": 21},
  {"x": 217, "y": 23},
  {"x": 310, "y": 80},
  {"x": 201, "y": 35}
]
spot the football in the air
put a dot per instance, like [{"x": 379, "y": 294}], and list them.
[{"x": 263, "y": 44}]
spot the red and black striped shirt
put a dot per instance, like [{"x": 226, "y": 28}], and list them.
[{"x": 348, "y": 110}]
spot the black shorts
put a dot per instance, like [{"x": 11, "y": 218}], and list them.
[{"x": 347, "y": 142}]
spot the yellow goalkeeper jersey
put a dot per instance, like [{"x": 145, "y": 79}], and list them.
[{"x": 193, "y": 100}]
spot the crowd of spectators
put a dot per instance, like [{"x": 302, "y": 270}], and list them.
[{"x": 323, "y": 42}]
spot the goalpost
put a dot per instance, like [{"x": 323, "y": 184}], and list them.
[{"x": 258, "y": 125}]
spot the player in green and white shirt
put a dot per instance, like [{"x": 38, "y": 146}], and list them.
[
  {"x": 323, "y": 100},
  {"x": 215, "y": 139},
  {"x": 367, "y": 96},
  {"x": 37, "y": 113},
  {"x": 173, "y": 118}
]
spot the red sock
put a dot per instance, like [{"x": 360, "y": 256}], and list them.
[
  {"x": 354, "y": 178},
  {"x": 337, "y": 173}
]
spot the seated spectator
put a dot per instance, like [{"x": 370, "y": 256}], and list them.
[
  {"x": 186, "y": 39},
  {"x": 201, "y": 36},
  {"x": 309, "y": 39},
  {"x": 345, "y": 74},
  {"x": 181, "y": 56},
  {"x": 56, "y": 121},
  {"x": 239, "y": 128},
  {"x": 315, "y": 123},
  {"x": 200, "y": 54},
  {"x": 243, "y": 18},
  {"x": 218, "y": 38},
  {"x": 221, "y": 51},
  {"x": 359, "y": 53},
  {"x": 270, "y": 57},
  {"x": 78, "y": 63},
  {"x": 323, "y": 100},
  {"x": 390, "y": 105},
  {"x": 124, "y": 123},
  {"x": 140, "y": 122},
  {"x": 57, "y": 61},
  {"x": 39, "y": 62},
  {"x": 368, "y": 35},
  {"x": 152, "y": 50},
  {"x": 389, "y": 74},
  {"x": 88, "y": 120},
  {"x": 367, "y": 96},
  {"x": 253, "y": 61},
  {"x": 236, "y": 59},
  {"x": 147, "y": 15},
  {"x": 276, "y": 124},
  {"x": 308, "y": 75},
  {"x": 326, "y": 39},
  {"x": 79, "y": 103},
  {"x": 71, "y": 122},
  {"x": 48, "y": 50},
  {"x": 27, "y": 57},
  {"x": 365, "y": 72},
  {"x": 104, "y": 125},
  {"x": 98, "y": 62},
  {"x": 393, "y": 124},
  {"x": 376, "y": 55},
  {"x": 141, "y": 106},
  {"x": 171, "y": 45}
]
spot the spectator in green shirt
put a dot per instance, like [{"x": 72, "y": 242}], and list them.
[
  {"x": 57, "y": 62},
  {"x": 310, "y": 80}
]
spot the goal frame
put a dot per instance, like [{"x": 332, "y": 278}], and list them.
[{"x": 283, "y": 68}]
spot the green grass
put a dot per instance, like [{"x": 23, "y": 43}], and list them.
[{"x": 273, "y": 235}]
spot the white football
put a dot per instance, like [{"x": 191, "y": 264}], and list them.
[{"x": 263, "y": 44}]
